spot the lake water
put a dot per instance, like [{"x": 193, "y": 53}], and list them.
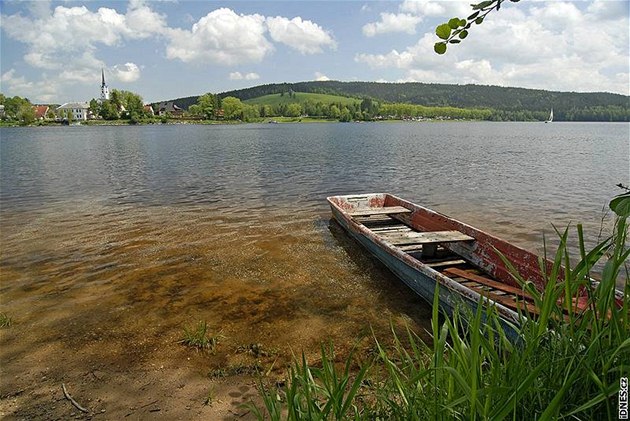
[{"x": 151, "y": 227}]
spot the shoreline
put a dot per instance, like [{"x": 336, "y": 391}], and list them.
[{"x": 175, "y": 122}]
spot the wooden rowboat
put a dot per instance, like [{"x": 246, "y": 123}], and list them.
[{"x": 425, "y": 248}]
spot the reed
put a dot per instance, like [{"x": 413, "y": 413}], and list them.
[
  {"x": 198, "y": 337},
  {"x": 323, "y": 392},
  {"x": 566, "y": 363}
]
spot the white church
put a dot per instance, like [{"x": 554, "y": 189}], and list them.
[{"x": 80, "y": 110}]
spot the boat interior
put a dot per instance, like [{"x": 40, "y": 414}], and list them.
[{"x": 391, "y": 224}]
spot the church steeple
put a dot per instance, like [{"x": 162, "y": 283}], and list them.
[{"x": 104, "y": 88}]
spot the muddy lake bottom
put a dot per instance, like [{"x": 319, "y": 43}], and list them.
[{"x": 99, "y": 297}]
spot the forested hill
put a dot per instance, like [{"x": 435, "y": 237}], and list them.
[{"x": 510, "y": 101}]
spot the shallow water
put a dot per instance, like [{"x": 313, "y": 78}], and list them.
[{"x": 163, "y": 225}]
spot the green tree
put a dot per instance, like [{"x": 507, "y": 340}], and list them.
[
  {"x": 109, "y": 110},
  {"x": 115, "y": 98},
  {"x": 195, "y": 110},
  {"x": 232, "y": 108},
  {"x": 122, "y": 104},
  {"x": 345, "y": 115},
  {"x": 68, "y": 116},
  {"x": 333, "y": 112},
  {"x": 26, "y": 114},
  {"x": 206, "y": 106},
  {"x": 95, "y": 107},
  {"x": 294, "y": 110},
  {"x": 250, "y": 112},
  {"x": 15, "y": 107}
]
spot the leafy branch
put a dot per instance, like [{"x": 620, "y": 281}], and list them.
[{"x": 456, "y": 29}]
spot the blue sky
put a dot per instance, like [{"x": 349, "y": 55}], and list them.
[{"x": 54, "y": 51}]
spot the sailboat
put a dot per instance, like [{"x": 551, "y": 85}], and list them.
[{"x": 550, "y": 117}]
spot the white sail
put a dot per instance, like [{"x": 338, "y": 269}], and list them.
[{"x": 550, "y": 117}]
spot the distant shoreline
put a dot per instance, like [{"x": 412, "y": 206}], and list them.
[{"x": 280, "y": 120}]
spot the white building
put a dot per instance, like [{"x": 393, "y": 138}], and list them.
[
  {"x": 79, "y": 110},
  {"x": 104, "y": 88}
]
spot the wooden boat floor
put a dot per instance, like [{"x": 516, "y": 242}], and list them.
[{"x": 449, "y": 263}]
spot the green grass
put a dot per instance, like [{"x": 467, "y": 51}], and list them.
[
  {"x": 301, "y": 97},
  {"x": 566, "y": 364},
  {"x": 237, "y": 370},
  {"x": 210, "y": 397},
  {"x": 5, "y": 321},
  {"x": 198, "y": 337}
]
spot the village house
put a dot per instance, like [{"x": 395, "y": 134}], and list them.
[
  {"x": 169, "y": 108},
  {"x": 79, "y": 110},
  {"x": 41, "y": 111}
]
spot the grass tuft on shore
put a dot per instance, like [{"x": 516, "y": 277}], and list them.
[
  {"x": 5, "y": 321},
  {"x": 198, "y": 337}
]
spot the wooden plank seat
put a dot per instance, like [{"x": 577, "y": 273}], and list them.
[
  {"x": 457, "y": 272},
  {"x": 429, "y": 240},
  {"x": 386, "y": 210},
  {"x": 428, "y": 237}
]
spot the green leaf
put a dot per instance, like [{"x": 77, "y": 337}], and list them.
[
  {"x": 463, "y": 34},
  {"x": 479, "y": 20},
  {"x": 462, "y": 22},
  {"x": 440, "y": 47},
  {"x": 621, "y": 205},
  {"x": 443, "y": 31},
  {"x": 482, "y": 5},
  {"x": 453, "y": 23},
  {"x": 454, "y": 41},
  {"x": 473, "y": 16}
]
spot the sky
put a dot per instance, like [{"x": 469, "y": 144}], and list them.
[{"x": 54, "y": 51}]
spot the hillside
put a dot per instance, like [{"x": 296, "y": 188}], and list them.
[
  {"x": 506, "y": 103},
  {"x": 300, "y": 98}
]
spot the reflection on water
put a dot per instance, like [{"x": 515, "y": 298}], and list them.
[{"x": 159, "y": 225}]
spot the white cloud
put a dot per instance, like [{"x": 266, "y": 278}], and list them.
[
  {"x": 302, "y": 35},
  {"x": 246, "y": 76},
  {"x": 550, "y": 45},
  {"x": 392, "y": 59},
  {"x": 321, "y": 77},
  {"x": 392, "y": 22},
  {"x": 66, "y": 40},
  {"x": 143, "y": 22},
  {"x": 432, "y": 8},
  {"x": 41, "y": 91},
  {"x": 221, "y": 37},
  {"x": 126, "y": 73}
]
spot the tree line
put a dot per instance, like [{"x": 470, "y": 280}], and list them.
[
  {"x": 505, "y": 104},
  {"x": 122, "y": 104},
  {"x": 214, "y": 107},
  {"x": 17, "y": 109}
]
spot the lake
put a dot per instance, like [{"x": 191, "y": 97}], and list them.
[{"x": 130, "y": 233}]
